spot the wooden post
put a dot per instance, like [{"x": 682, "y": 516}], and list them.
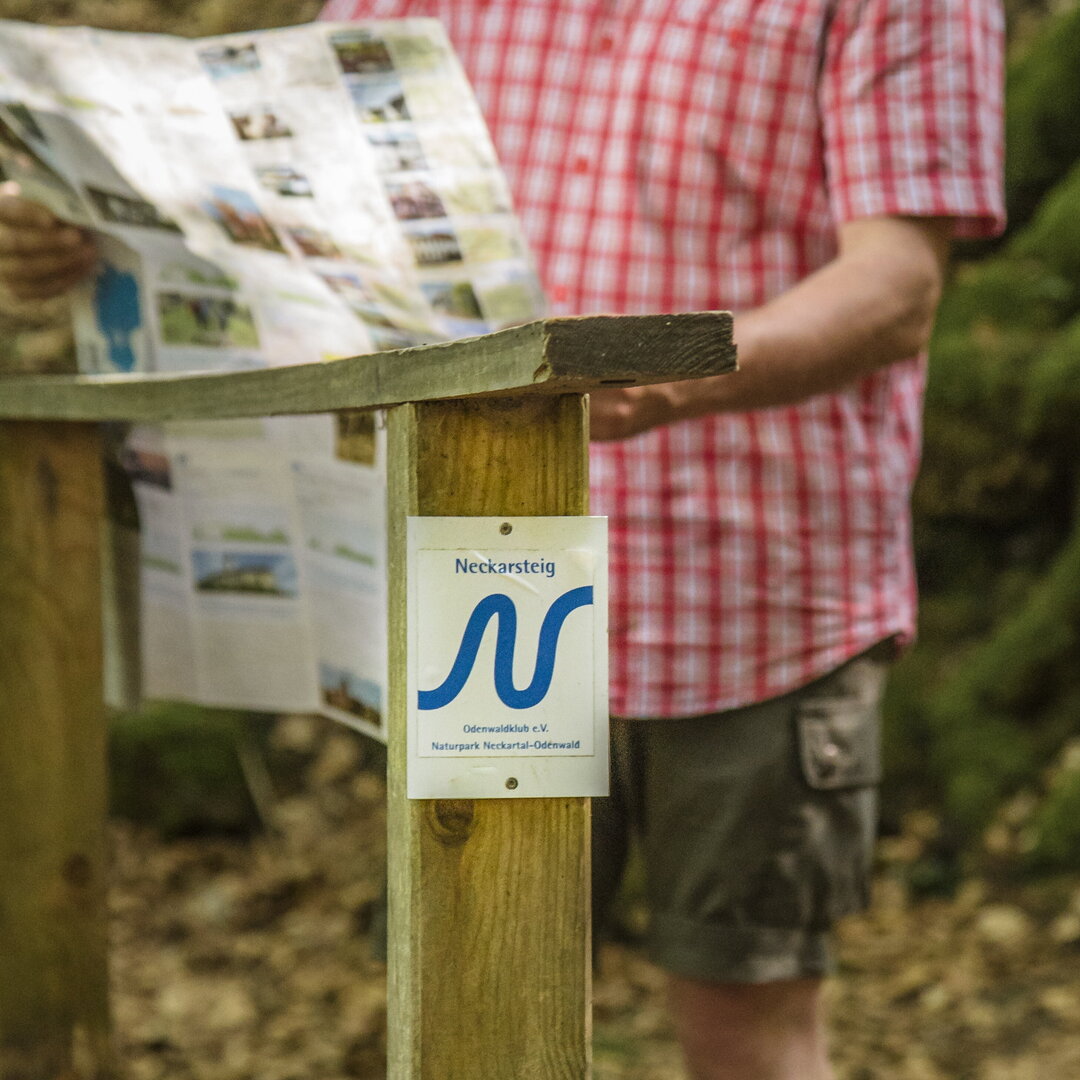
[
  {"x": 489, "y": 898},
  {"x": 53, "y": 980}
]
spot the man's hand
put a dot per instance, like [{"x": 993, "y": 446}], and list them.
[
  {"x": 618, "y": 414},
  {"x": 41, "y": 257}
]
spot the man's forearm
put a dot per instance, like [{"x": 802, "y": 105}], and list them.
[
  {"x": 866, "y": 309},
  {"x": 871, "y": 306}
]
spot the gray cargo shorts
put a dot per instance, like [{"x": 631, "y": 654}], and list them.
[{"x": 756, "y": 827}]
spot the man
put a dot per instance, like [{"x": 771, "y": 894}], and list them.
[{"x": 804, "y": 163}]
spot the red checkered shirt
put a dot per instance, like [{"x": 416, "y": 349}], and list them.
[{"x": 673, "y": 155}]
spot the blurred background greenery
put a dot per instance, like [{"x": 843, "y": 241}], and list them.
[
  {"x": 984, "y": 714},
  {"x": 983, "y": 740}
]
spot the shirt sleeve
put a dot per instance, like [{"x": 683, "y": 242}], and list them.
[{"x": 911, "y": 99}]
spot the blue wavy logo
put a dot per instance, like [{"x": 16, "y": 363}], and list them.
[{"x": 500, "y": 607}]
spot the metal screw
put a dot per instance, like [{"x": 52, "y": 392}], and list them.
[
  {"x": 512, "y": 783},
  {"x": 506, "y": 528}
]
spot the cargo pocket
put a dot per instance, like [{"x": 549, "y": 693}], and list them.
[{"x": 839, "y": 743}]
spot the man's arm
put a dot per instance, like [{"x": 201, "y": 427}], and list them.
[{"x": 872, "y": 305}]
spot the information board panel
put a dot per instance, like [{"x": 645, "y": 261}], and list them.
[{"x": 507, "y": 666}]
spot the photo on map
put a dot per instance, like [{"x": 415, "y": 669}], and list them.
[
  {"x": 380, "y": 100},
  {"x": 359, "y": 297},
  {"x": 361, "y": 53},
  {"x": 237, "y": 213},
  {"x": 488, "y": 243},
  {"x": 417, "y": 52},
  {"x": 251, "y": 573},
  {"x": 189, "y": 270},
  {"x": 284, "y": 180},
  {"x": 396, "y": 150},
  {"x": 118, "y": 209},
  {"x": 222, "y": 61},
  {"x": 454, "y": 298},
  {"x": 259, "y": 122},
  {"x": 433, "y": 243},
  {"x": 215, "y": 322},
  {"x": 412, "y": 200},
  {"x": 350, "y": 693},
  {"x": 456, "y": 302},
  {"x": 314, "y": 243}
]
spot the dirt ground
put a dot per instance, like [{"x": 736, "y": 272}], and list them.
[{"x": 251, "y": 959}]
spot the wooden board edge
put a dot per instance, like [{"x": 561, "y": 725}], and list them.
[{"x": 548, "y": 356}]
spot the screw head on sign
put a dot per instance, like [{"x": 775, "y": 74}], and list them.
[
  {"x": 506, "y": 528},
  {"x": 512, "y": 783}
]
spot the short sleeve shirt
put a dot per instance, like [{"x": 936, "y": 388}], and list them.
[{"x": 678, "y": 155}]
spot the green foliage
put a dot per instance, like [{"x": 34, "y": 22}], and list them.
[
  {"x": 176, "y": 768},
  {"x": 1055, "y": 828},
  {"x": 982, "y": 706},
  {"x": 990, "y": 717},
  {"x": 1050, "y": 239},
  {"x": 1043, "y": 115}
]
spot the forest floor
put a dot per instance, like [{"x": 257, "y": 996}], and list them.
[{"x": 250, "y": 959}]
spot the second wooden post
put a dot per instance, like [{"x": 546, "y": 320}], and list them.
[
  {"x": 54, "y": 1018},
  {"x": 489, "y": 899}
]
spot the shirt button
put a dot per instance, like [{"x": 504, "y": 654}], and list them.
[{"x": 829, "y": 759}]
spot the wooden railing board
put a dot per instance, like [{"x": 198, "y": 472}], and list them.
[{"x": 551, "y": 356}]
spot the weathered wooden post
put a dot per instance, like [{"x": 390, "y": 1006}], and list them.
[
  {"x": 504, "y": 882},
  {"x": 54, "y": 1019},
  {"x": 489, "y": 950}
]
